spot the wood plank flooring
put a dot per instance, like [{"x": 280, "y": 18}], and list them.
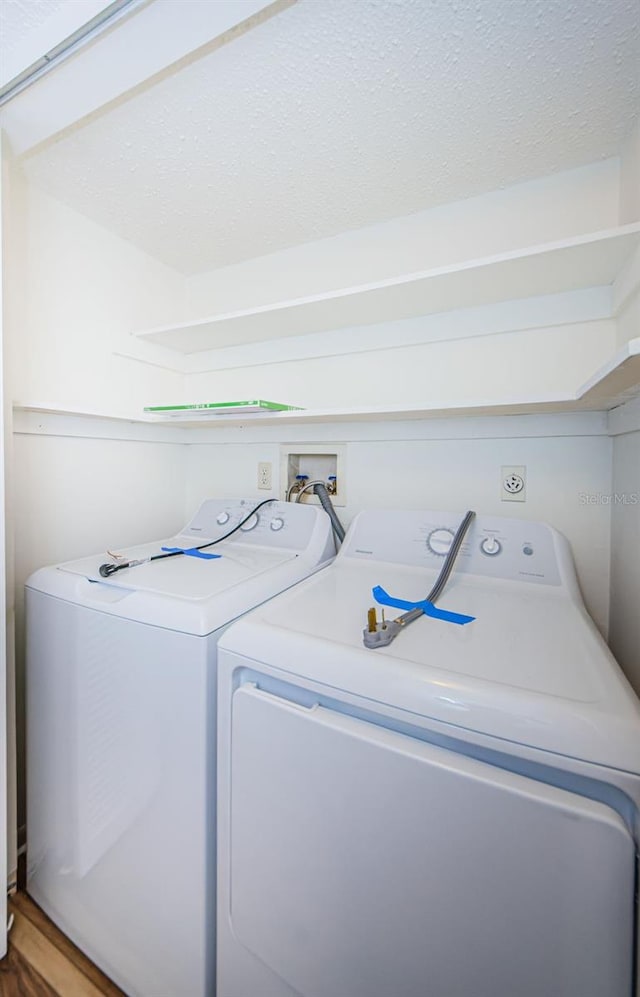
[{"x": 42, "y": 962}]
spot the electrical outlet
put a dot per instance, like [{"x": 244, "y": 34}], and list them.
[
  {"x": 264, "y": 475},
  {"x": 513, "y": 478}
]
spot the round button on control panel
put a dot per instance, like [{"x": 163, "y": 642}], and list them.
[
  {"x": 222, "y": 518},
  {"x": 276, "y": 524},
  {"x": 250, "y": 524},
  {"x": 439, "y": 541},
  {"x": 490, "y": 546}
]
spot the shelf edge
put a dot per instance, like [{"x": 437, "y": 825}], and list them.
[{"x": 602, "y": 236}]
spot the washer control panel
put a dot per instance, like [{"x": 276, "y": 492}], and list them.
[
  {"x": 498, "y": 547},
  {"x": 276, "y": 524}
]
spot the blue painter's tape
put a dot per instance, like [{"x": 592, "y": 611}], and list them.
[
  {"x": 191, "y": 552},
  {"x": 427, "y": 607}
]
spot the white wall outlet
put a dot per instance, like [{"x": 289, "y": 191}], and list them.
[
  {"x": 513, "y": 478},
  {"x": 264, "y": 475}
]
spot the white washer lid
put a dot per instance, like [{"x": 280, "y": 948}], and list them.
[
  {"x": 186, "y": 577},
  {"x": 186, "y": 594},
  {"x": 199, "y": 595}
]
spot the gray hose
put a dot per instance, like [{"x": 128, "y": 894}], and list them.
[
  {"x": 454, "y": 550},
  {"x": 445, "y": 571},
  {"x": 327, "y": 505},
  {"x": 381, "y": 635}
]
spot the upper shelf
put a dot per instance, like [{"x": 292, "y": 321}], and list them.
[{"x": 591, "y": 260}]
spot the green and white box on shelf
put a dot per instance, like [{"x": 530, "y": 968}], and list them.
[{"x": 219, "y": 408}]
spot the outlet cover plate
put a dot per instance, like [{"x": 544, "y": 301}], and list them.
[
  {"x": 264, "y": 475},
  {"x": 510, "y": 476}
]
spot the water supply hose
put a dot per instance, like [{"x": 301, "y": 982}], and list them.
[
  {"x": 326, "y": 503},
  {"x": 324, "y": 498}
]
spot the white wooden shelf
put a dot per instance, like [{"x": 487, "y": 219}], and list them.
[
  {"x": 586, "y": 261},
  {"x": 612, "y": 385}
]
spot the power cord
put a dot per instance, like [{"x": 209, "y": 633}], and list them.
[{"x": 110, "y": 569}]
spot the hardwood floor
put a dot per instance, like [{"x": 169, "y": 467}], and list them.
[{"x": 42, "y": 962}]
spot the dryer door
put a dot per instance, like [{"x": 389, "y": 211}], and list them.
[{"x": 365, "y": 863}]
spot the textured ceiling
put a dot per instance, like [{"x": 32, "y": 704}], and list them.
[
  {"x": 339, "y": 113},
  {"x": 19, "y": 17},
  {"x": 31, "y": 28}
]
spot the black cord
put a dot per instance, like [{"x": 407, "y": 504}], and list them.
[{"x": 110, "y": 569}]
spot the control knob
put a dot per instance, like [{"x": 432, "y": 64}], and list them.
[
  {"x": 439, "y": 541},
  {"x": 490, "y": 546}
]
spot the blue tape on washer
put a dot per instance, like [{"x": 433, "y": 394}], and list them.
[
  {"x": 191, "y": 552},
  {"x": 427, "y": 607}
]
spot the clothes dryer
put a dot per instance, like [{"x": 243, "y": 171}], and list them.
[{"x": 453, "y": 814}]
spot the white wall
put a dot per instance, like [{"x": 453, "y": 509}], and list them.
[
  {"x": 555, "y": 207},
  {"x": 76, "y": 495},
  {"x": 630, "y": 177},
  {"x": 85, "y": 486},
  {"x": 75, "y": 293},
  {"x": 625, "y": 540},
  {"x": 86, "y": 290},
  {"x": 447, "y": 464},
  {"x": 476, "y": 358},
  {"x": 629, "y": 319},
  {"x": 83, "y": 290},
  {"x": 526, "y": 365}
]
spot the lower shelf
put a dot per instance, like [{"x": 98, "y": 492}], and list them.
[{"x": 611, "y": 386}]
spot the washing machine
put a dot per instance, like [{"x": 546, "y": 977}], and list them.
[
  {"x": 452, "y": 814},
  {"x": 121, "y": 750}
]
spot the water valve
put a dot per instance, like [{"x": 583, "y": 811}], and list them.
[{"x": 299, "y": 483}]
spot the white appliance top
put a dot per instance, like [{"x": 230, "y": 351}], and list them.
[
  {"x": 531, "y": 668},
  {"x": 200, "y": 592}
]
